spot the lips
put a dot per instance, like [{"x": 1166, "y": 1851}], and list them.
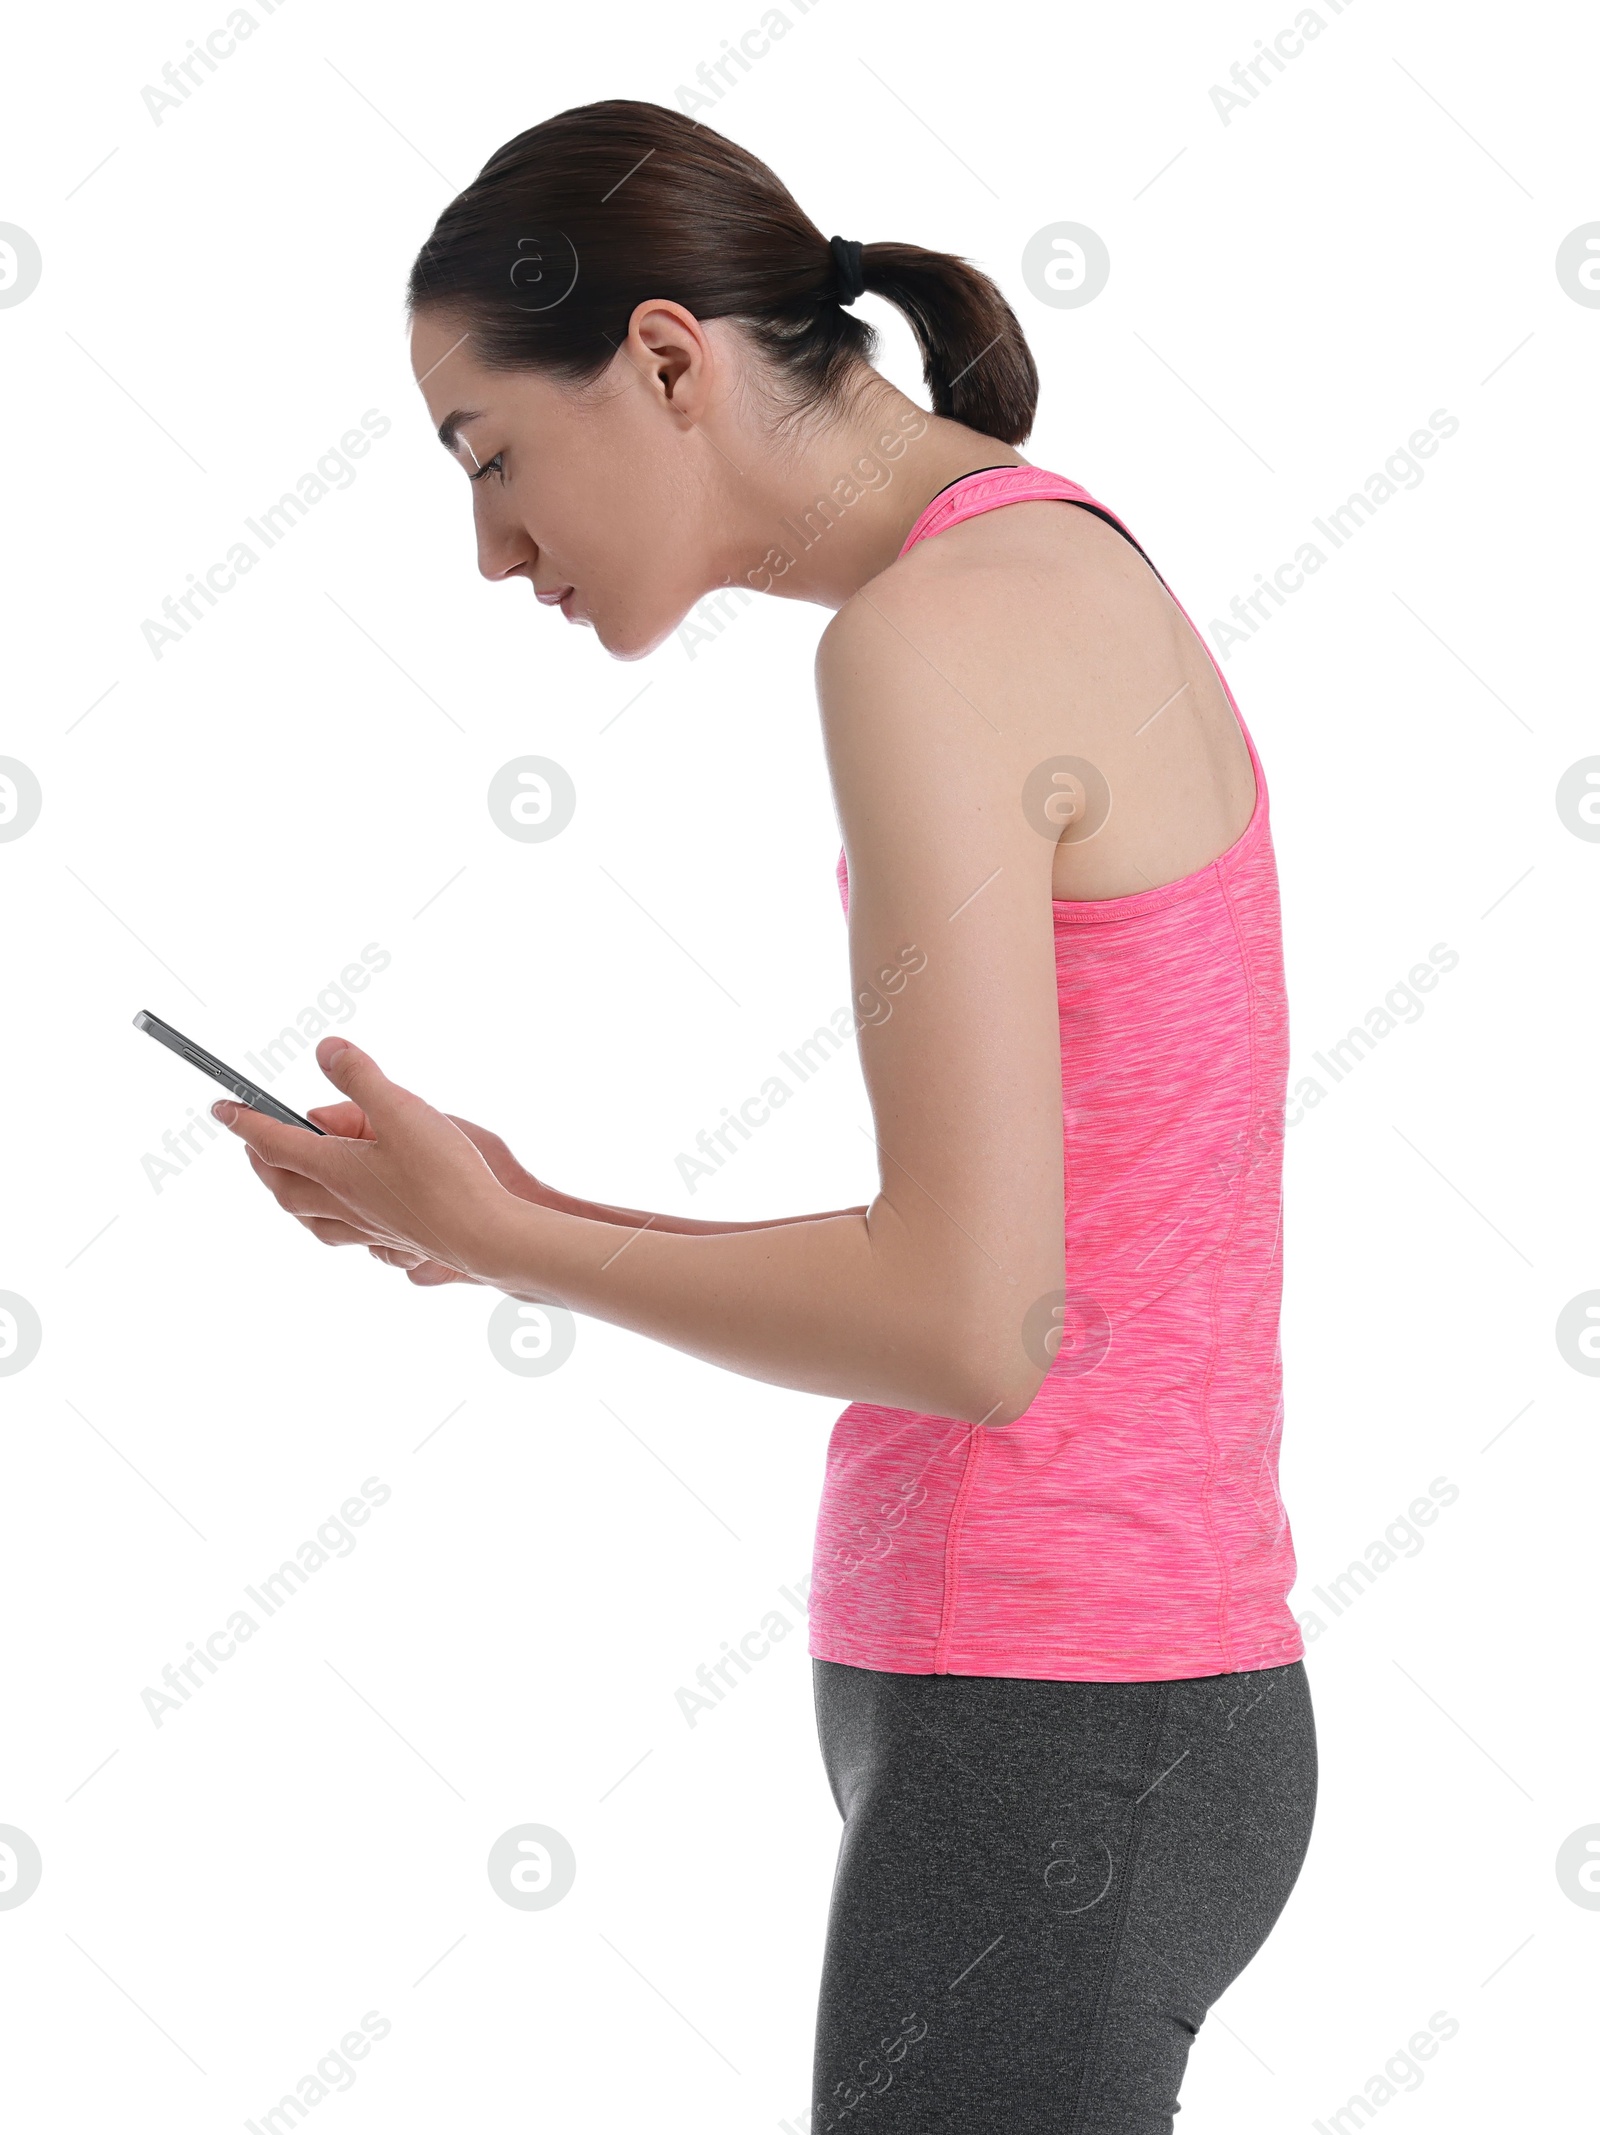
[{"x": 554, "y": 597}]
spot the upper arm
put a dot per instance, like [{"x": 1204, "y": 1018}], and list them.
[{"x": 932, "y": 726}]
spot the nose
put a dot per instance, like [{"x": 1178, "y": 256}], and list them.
[
  {"x": 496, "y": 562},
  {"x": 504, "y": 551}
]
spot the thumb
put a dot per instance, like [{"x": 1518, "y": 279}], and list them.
[{"x": 359, "y": 1076}]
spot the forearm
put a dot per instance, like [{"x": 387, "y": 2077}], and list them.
[
  {"x": 686, "y": 1226},
  {"x": 842, "y": 1304}
]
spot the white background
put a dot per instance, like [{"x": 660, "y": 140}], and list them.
[{"x": 1291, "y": 295}]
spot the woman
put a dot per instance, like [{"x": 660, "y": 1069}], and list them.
[{"x": 1060, "y": 1693}]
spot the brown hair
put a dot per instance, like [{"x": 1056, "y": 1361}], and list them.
[{"x": 575, "y": 222}]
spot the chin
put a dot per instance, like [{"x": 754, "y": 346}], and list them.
[{"x": 632, "y": 638}]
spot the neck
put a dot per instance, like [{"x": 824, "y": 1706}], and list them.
[{"x": 835, "y": 509}]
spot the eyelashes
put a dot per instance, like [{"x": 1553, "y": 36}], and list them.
[{"x": 494, "y": 466}]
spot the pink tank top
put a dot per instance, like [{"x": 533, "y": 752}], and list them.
[{"x": 1128, "y": 1528}]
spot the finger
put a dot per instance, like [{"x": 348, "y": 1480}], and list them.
[
  {"x": 333, "y": 1231},
  {"x": 348, "y": 1168},
  {"x": 293, "y": 1191},
  {"x": 361, "y": 1078},
  {"x": 344, "y": 1119},
  {"x": 274, "y": 1141},
  {"x": 426, "y": 1274},
  {"x": 322, "y": 1213},
  {"x": 394, "y": 1113}
]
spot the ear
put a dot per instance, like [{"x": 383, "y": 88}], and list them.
[{"x": 672, "y": 352}]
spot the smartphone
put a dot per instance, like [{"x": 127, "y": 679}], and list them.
[{"x": 235, "y": 1084}]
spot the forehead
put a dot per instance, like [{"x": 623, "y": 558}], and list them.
[{"x": 444, "y": 365}]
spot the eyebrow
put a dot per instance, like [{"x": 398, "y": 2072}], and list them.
[{"x": 449, "y": 429}]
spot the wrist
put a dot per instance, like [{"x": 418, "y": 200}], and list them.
[{"x": 506, "y": 1252}]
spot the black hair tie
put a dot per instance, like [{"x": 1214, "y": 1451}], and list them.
[{"x": 847, "y": 269}]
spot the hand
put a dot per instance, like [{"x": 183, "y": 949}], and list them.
[
  {"x": 390, "y": 1173},
  {"x": 348, "y": 1120}
]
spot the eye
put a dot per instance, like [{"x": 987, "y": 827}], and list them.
[{"x": 494, "y": 466}]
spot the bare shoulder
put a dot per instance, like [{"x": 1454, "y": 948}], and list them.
[
  {"x": 1035, "y": 632},
  {"x": 1003, "y": 614}
]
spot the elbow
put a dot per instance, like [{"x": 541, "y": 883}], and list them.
[
  {"x": 995, "y": 1409},
  {"x": 992, "y": 1381},
  {"x": 987, "y": 1352}
]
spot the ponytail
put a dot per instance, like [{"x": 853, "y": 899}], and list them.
[{"x": 978, "y": 367}]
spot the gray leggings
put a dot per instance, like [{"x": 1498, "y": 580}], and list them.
[{"x": 1042, "y": 1887}]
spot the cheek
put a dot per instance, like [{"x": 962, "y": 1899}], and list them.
[{"x": 626, "y": 573}]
